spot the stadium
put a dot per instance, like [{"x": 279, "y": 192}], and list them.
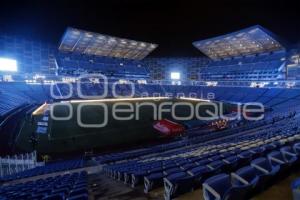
[{"x": 138, "y": 100}]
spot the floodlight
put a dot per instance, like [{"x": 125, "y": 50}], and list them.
[
  {"x": 175, "y": 75},
  {"x": 7, "y": 64}
]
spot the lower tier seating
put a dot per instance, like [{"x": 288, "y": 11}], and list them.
[
  {"x": 267, "y": 151},
  {"x": 260, "y": 172},
  {"x": 63, "y": 187},
  {"x": 47, "y": 169}
]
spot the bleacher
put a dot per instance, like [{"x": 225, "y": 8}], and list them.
[
  {"x": 253, "y": 53},
  {"x": 271, "y": 97},
  {"x": 48, "y": 168},
  {"x": 17, "y": 94},
  {"x": 235, "y": 163},
  {"x": 262, "y": 67},
  {"x": 74, "y": 64},
  {"x": 72, "y": 186},
  {"x": 10, "y": 100},
  {"x": 181, "y": 168},
  {"x": 10, "y": 165}
]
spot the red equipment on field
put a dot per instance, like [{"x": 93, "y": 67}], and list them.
[{"x": 168, "y": 128}]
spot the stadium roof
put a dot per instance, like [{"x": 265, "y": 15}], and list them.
[
  {"x": 248, "y": 41},
  {"x": 85, "y": 42}
]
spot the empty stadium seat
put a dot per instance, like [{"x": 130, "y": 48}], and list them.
[
  {"x": 56, "y": 187},
  {"x": 221, "y": 187},
  {"x": 246, "y": 176},
  {"x": 296, "y": 148},
  {"x": 178, "y": 183},
  {"x": 284, "y": 160},
  {"x": 264, "y": 169},
  {"x": 231, "y": 162}
]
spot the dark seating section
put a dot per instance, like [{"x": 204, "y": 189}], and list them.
[
  {"x": 73, "y": 64},
  {"x": 257, "y": 175},
  {"x": 47, "y": 169},
  {"x": 63, "y": 187},
  {"x": 222, "y": 186},
  {"x": 227, "y": 164},
  {"x": 194, "y": 136},
  {"x": 262, "y": 67},
  {"x": 246, "y": 176},
  {"x": 15, "y": 94},
  {"x": 240, "y": 164}
]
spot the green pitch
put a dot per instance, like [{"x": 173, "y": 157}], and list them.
[{"x": 68, "y": 136}]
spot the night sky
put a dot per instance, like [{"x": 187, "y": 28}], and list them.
[{"x": 174, "y": 25}]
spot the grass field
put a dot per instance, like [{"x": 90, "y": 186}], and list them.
[{"x": 68, "y": 136}]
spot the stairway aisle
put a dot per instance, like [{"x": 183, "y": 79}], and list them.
[{"x": 103, "y": 188}]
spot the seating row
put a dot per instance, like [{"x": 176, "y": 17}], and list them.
[
  {"x": 254, "y": 177},
  {"x": 47, "y": 169},
  {"x": 69, "y": 186},
  {"x": 205, "y": 160}
]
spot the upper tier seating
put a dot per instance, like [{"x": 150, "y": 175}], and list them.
[
  {"x": 15, "y": 94},
  {"x": 271, "y": 97},
  {"x": 72, "y": 64},
  {"x": 262, "y": 67}
]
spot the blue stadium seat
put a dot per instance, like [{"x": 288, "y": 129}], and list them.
[
  {"x": 177, "y": 183},
  {"x": 288, "y": 152},
  {"x": 257, "y": 152},
  {"x": 285, "y": 160},
  {"x": 264, "y": 169},
  {"x": 78, "y": 191},
  {"x": 188, "y": 166},
  {"x": 221, "y": 187},
  {"x": 296, "y": 148},
  {"x": 136, "y": 177},
  {"x": 216, "y": 166},
  {"x": 153, "y": 180},
  {"x": 200, "y": 174},
  {"x": 245, "y": 157},
  {"x": 55, "y": 187},
  {"x": 269, "y": 147},
  {"x": 231, "y": 163},
  {"x": 202, "y": 161},
  {"x": 246, "y": 176}
]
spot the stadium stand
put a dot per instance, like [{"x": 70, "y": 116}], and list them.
[
  {"x": 271, "y": 97},
  {"x": 236, "y": 163},
  {"x": 111, "y": 67},
  {"x": 69, "y": 186},
  {"x": 17, "y": 163},
  {"x": 160, "y": 68},
  {"x": 264, "y": 68},
  {"x": 187, "y": 166},
  {"x": 46, "y": 169}
]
